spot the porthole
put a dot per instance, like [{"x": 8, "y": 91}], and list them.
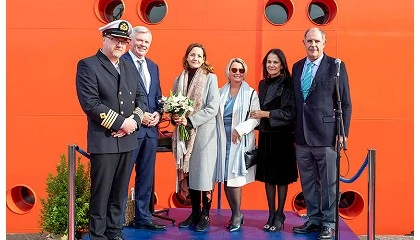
[
  {"x": 20, "y": 199},
  {"x": 322, "y": 12},
  {"x": 278, "y": 12},
  {"x": 152, "y": 11},
  {"x": 109, "y": 10}
]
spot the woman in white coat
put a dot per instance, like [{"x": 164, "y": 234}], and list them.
[{"x": 236, "y": 135}]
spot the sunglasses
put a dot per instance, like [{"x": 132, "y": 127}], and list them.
[{"x": 234, "y": 70}]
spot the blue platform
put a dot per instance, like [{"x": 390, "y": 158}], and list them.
[{"x": 251, "y": 229}]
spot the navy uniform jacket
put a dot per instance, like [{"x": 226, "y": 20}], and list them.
[
  {"x": 315, "y": 116},
  {"x": 107, "y": 98},
  {"x": 152, "y": 98}
]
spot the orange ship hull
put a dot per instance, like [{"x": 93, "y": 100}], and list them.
[{"x": 375, "y": 40}]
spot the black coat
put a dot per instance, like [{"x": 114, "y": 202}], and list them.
[
  {"x": 276, "y": 153},
  {"x": 107, "y": 98},
  {"x": 280, "y": 101}
]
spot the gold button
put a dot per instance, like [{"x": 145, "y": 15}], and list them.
[
  {"x": 122, "y": 112},
  {"x": 132, "y": 102}
]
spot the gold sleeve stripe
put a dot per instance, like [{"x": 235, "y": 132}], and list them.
[
  {"x": 109, "y": 119},
  {"x": 105, "y": 122},
  {"x": 139, "y": 112},
  {"x": 112, "y": 120}
]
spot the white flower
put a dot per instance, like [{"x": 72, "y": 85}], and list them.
[
  {"x": 181, "y": 105},
  {"x": 177, "y": 104}
]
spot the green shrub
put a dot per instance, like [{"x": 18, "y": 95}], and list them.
[{"x": 54, "y": 214}]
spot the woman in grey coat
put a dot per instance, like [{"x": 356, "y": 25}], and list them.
[{"x": 196, "y": 157}]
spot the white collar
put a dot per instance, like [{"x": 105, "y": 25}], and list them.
[{"x": 134, "y": 57}]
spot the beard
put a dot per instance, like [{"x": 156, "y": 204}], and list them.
[{"x": 117, "y": 53}]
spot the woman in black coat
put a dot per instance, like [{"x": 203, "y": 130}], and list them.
[{"x": 276, "y": 165}]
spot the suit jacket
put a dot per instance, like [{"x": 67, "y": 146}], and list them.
[
  {"x": 315, "y": 116},
  {"x": 152, "y": 98},
  {"x": 108, "y": 97}
]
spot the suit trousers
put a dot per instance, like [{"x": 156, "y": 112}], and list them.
[
  {"x": 109, "y": 175},
  {"x": 318, "y": 171},
  {"x": 145, "y": 158}
]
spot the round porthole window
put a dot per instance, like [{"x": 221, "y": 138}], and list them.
[
  {"x": 152, "y": 11},
  {"x": 109, "y": 10},
  {"x": 322, "y": 12},
  {"x": 20, "y": 199},
  {"x": 278, "y": 12}
]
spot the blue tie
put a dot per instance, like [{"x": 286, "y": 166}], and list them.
[{"x": 306, "y": 81}]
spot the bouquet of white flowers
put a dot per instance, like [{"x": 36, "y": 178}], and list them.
[{"x": 181, "y": 105}]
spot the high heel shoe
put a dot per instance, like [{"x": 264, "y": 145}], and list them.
[
  {"x": 267, "y": 226},
  {"x": 234, "y": 227},
  {"x": 229, "y": 224},
  {"x": 278, "y": 223}
]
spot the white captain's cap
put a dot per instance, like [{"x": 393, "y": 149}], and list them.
[{"x": 118, "y": 28}]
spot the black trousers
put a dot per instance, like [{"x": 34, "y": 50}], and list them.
[{"x": 109, "y": 175}]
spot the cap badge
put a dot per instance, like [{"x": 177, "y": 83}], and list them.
[{"x": 123, "y": 26}]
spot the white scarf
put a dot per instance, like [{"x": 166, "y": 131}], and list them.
[{"x": 241, "y": 106}]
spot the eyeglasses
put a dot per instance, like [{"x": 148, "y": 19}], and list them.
[
  {"x": 234, "y": 70},
  {"x": 117, "y": 41}
]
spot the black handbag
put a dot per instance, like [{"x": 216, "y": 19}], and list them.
[{"x": 251, "y": 157}]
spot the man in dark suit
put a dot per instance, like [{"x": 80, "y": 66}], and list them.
[
  {"x": 110, "y": 95},
  {"x": 145, "y": 154},
  {"x": 316, "y": 131}
]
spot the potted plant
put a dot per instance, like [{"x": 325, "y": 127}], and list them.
[{"x": 54, "y": 214}]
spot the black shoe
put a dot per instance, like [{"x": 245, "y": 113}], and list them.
[
  {"x": 307, "y": 227},
  {"x": 117, "y": 238},
  {"x": 203, "y": 224},
  {"x": 270, "y": 220},
  {"x": 326, "y": 233},
  {"x": 187, "y": 222},
  {"x": 278, "y": 223},
  {"x": 151, "y": 225},
  {"x": 229, "y": 224}
]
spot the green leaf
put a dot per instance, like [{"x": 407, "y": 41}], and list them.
[{"x": 54, "y": 212}]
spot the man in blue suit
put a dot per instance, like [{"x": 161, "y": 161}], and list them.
[
  {"x": 144, "y": 155},
  {"x": 316, "y": 131}
]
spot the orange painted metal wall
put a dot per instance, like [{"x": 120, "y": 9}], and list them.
[{"x": 375, "y": 40}]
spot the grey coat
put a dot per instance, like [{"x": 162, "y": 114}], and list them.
[{"x": 202, "y": 168}]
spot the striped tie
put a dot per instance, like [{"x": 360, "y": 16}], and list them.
[
  {"x": 143, "y": 77},
  {"x": 306, "y": 81}
]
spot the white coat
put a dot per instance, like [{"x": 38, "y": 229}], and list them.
[{"x": 243, "y": 127}]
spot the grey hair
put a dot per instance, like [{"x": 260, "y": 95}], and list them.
[
  {"x": 315, "y": 28},
  {"x": 140, "y": 29},
  {"x": 238, "y": 60}
]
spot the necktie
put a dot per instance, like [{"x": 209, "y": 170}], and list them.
[
  {"x": 143, "y": 77},
  {"x": 306, "y": 81}
]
